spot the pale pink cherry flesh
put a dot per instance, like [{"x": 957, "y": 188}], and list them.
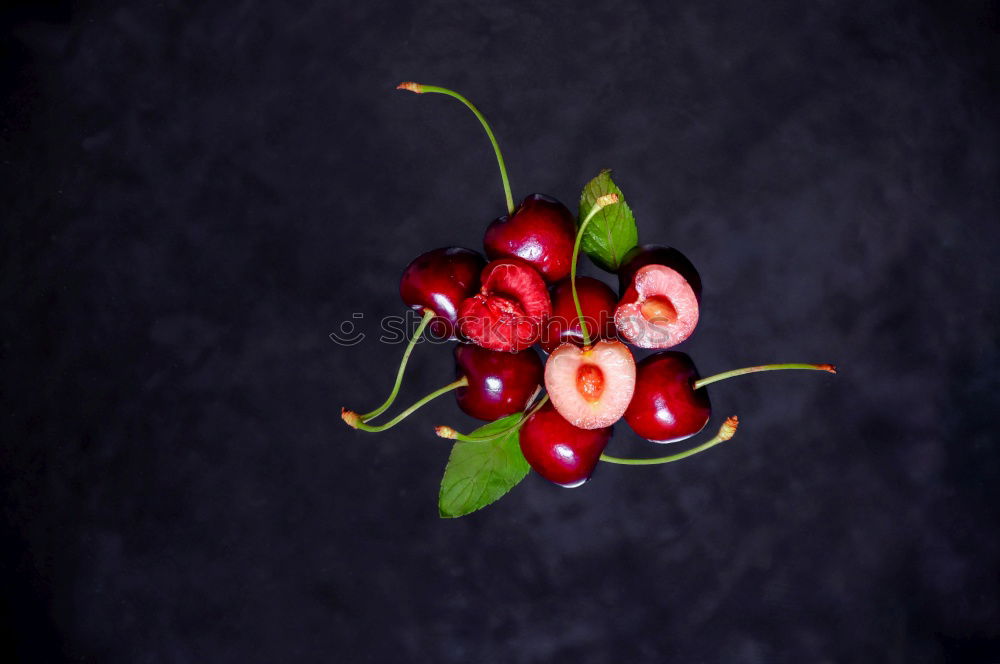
[
  {"x": 658, "y": 310},
  {"x": 591, "y": 387}
]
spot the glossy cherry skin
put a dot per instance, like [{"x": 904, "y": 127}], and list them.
[
  {"x": 665, "y": 407},
  {"x": 510, "y": 309},
  {"x": 598, "y": 303},
  {"x": 541, "y": 231},
  {"x": 439, "y": 281},
  {"x": 500, "y": 384},
  {"x": 655, "y": 254},
  {"x": 560, "y": 452}
]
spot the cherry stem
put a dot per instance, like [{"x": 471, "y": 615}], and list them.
[
  {"x": 702, "y": 382},
  {"x": 601, "y": 203},
  {"x": 448, "y": 432},
  {"x": 353, "y": 420},
  {"x": 726, "y": 432},
  {"x": 420, "y": 88},
  {"x": 428, "y": 315}
]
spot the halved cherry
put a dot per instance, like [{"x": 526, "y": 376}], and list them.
[
  {"x": 657, "y": 254},
  {"x": 509, "y": 311},
  {"x": 661, "y": 294},
  {"x": 591, "y": 387}
]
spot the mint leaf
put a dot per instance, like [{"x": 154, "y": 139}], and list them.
[
  {"x": 612, "y": 232},
  {"x": 479, "y": 473}
]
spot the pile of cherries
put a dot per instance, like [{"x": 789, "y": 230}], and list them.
[{"x": 528, "y": 294}]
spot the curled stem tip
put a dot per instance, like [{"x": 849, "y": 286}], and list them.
[
  {"x": 446, "y": 432},
  {"x": 349, "y": 416},
  {"x": 728, "y": 428},
  {"x": 409, "y": 85}
]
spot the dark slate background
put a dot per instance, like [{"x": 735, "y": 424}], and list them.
[{"x": 195, "y": 195}]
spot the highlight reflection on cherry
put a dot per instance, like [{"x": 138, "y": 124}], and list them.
[
  {"x": 661, "y": 295},
  {"x": 510, "y": 308}
]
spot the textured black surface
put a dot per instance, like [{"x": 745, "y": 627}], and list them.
[{"x": 195, "y": 196}]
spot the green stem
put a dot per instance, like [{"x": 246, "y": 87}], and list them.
[
  {"x": 448, "y": 432},
  {"x": 428, "y": 315},
  {"x": 421, "y": 88},
  {"x": 601, "y": 203},
  {"x": 726, "y": 432},
  {"x": 353, "y": 420},
  {"x": 702, "y": 382}
]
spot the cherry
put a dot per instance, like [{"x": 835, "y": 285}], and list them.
[
  {"x": 439, "y": 281},
  {"x": 541, "y": 231},
  {"x": 559, "y": 451},
  {"x": 591, "y": 387},
  {"x": 509, "y": 311},
  {"x": 598, "y": 303},
  {"x": 500, "y": 384},
  {"x": 661, "y": 292},
  {"x": 665, "y": 406},
  {"x": 670, "y": 402},
  {"x": 592, "y": 380}
]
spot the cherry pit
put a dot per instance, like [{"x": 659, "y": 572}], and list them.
[{"x": 523, "y": 298}]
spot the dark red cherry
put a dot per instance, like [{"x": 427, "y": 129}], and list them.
[
  {"x": 660, "y": 301},
  {"x": 510, "y": 309},
  {"x": 665, "y": 407},
  {"x": 558, "y": 451},
  {"x": 500, "y": 383},
  {"x": 541, "y": 231},
  {"x": 598, "y": 302},
  {"x": 439, "y": 281}
]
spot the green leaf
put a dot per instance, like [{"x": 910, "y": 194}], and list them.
[
  {"x": 612, "y": 231},
  {"x": 478, "y": 473}
]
